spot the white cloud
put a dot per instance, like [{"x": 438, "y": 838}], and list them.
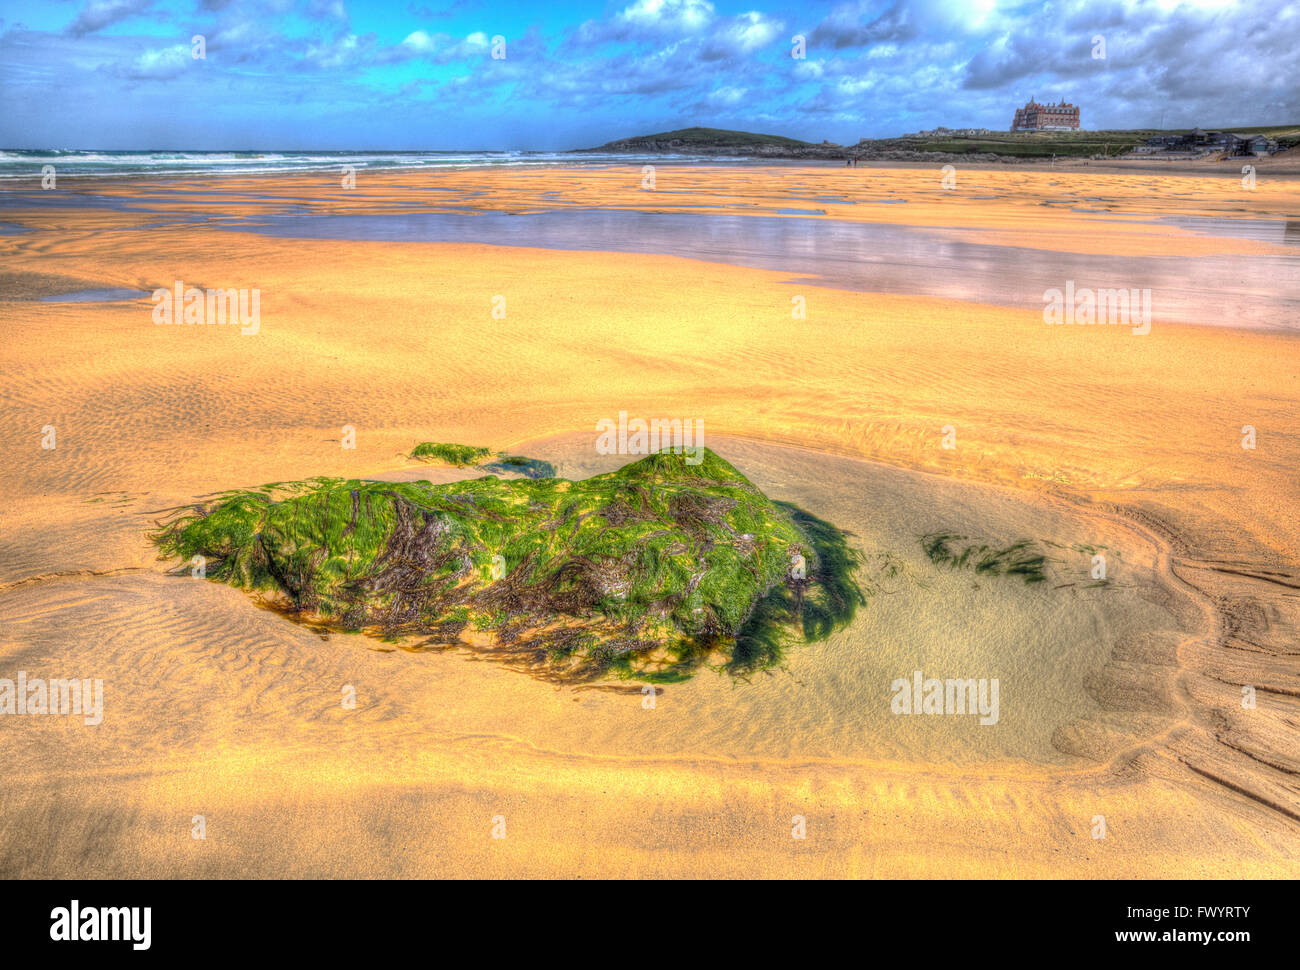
[
  {"x": 444, "y": 47},
  {"x": 164, "y": 62},
  {"x": 726, "y": 97},
  {"x": 667, "y": 16},
  {"x": 419, "y": 41},
  {"x": 748, "y": 32},
  {"x": 336, "y": 53}
]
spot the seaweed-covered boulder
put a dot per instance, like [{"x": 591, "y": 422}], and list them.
[
  {"x": 645, "y": 572},
  {"x": 458, "y": 456}
]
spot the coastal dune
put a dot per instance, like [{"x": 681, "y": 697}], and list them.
[{"x": 1079, "y": 435}]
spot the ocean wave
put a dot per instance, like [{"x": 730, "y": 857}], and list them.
[{"x": 27, "y": 163}]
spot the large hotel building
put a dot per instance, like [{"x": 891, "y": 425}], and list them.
[{"x": 1046, "y": 117}]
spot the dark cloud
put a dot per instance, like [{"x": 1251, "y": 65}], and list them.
[
  {"x": 327, "y": 10},
  {"x": 851, "y": 25},
  {"x": 445, "y": 12},
  {"x": 1207, "y": 65},
  {"x": 98, "y": 14}
]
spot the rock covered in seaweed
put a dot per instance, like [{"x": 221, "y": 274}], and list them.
[
  {"x": 458, "y": 456},
  {"x": 646, "y": 571}
]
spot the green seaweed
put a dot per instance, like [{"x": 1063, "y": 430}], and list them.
[
  {"x": 1021, "y": 558},
  {"x": 470, "y": 456},
  {"x": 649, "y": 572},
  {"x": 461, "y": 456}
]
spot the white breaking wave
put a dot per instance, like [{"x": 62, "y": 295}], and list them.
[{"x": 16, "y": 164}]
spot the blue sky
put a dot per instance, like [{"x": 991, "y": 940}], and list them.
[{"x": 349, "y": 74}]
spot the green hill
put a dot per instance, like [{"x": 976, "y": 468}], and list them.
[
  {"x": 720, "y": 141},
  {"x": 721, "y": 136}
]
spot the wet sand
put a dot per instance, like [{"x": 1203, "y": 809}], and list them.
[{"x": 1122, "y": 702}]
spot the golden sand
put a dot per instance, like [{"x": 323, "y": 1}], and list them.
[{"x": 219, "y": 709}]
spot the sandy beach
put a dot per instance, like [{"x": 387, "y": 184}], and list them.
[{"x": 893, "y": 412}]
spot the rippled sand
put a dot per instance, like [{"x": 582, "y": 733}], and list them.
[{"x": 1122, "y": 702}]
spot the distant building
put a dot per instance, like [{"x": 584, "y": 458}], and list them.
[
  {"x": 1046, "y": 117},
  {"x": 1255, "y": 145},
  {"x": 1200, "y": 142},
  {"x": 942, "y": 132}
]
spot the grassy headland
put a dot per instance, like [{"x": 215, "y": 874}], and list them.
[
  {"x": 1044, "y": 144},
  {"x": 720, "y": 141},
  {"x": 1006, "y": 144}
]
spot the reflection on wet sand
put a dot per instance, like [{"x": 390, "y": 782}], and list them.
[{"x": 1010, "y": 249}]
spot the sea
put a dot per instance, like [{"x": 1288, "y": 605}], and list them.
[{"x": 20, "y": 164}]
